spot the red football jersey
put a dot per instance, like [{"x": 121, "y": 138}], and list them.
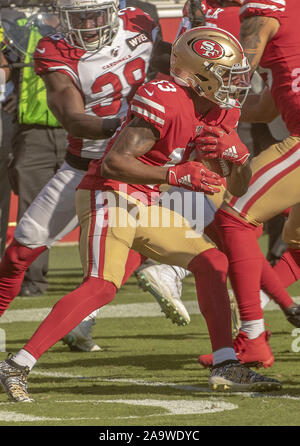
[
  {"x": 215, "y": 16},
  {"x": 170, "y": 109},
  {"x": 281, "y": 58},
  {"x": 108, "y": 78}
]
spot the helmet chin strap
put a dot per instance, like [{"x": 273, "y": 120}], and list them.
[
  {"x": 179, "y": 80},
  {"x": 90, "y": 46}
]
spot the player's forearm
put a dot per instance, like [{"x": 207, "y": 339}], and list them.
[
  {"x": 67, "y": 104},
  {"x": 128, "y": 169},
  {"x": 259, "y": 108},
  {"x": 80, "y": 125},
  {"x": 255, "y": 33}
]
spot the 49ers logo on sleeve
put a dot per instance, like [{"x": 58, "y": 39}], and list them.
[{"x": 208, "y": 48}]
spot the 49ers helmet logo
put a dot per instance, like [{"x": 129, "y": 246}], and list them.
[{"x": 208, "y": 48}]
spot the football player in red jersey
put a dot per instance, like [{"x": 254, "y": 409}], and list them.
[
  {"x": 117, "y": 201},
  {"x": 91, "y": 70},
  {"x": 270, "y": 41},
  {"x": 214, "y": 13}
]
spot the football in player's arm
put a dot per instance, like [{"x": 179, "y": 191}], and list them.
[{"x": 139, "y": 136}]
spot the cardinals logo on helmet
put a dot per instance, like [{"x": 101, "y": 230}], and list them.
[{"x": 208, "y": 49}]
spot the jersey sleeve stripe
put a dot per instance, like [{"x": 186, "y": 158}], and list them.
[
  {"x": 280, "y": 2},
  {"x": 150, "y": 103},
  {"x": 147, "y": 114},
  {"x": 260, "y": 6},
  {"x": 67, "y": 69}
]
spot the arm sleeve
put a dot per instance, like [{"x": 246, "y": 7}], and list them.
[
  {"x": 155, "y": 108},
  {"x": 263, "y": 8},
  {"x": 47, "y": 57}
]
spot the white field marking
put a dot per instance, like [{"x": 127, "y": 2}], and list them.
[
  {"x": 137, "y": 382},
  {"x": 113, "y": 311},
  {"x": 174, "y": 407},
  {"x": 140, "y": 382},
  {"x": 17, "y": 417}
]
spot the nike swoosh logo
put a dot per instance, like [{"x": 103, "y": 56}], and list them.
[
  {"x": 42, "y": 50},
  {"x": 150, "y": 93}
]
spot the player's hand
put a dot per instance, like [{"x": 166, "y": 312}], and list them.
[
  {"x": 193, "y": 10},
  {"x": 221, "y": 142},
  {"x": 10, "y": 104},
  {"x": 194, "y": 176}
]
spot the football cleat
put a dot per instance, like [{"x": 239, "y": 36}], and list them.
[
  {"x": 232, "y": 376},
  {"x": 293, "y": 315},
  {"x": 164, "y": 284},
  {"x": 80, "y": 338},
  {"x": 252, "y": 352},
  {"x": 13, "y": 379}
]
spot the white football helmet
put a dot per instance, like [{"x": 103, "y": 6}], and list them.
[
  {"x": 212, "y": 62},
  {"x": 88, "y": 24}
]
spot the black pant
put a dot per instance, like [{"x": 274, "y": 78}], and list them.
[
  {"x": 38, "y": 153},
  {"x": 5, "y": 189}
]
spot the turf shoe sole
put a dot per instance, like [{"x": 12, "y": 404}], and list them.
[
  {"x": 166, "y": 294},
  {"x": 13, "y": 379},
  {"x": 80, "y": 338},
  {"x": 293, "y": 315},
  {"x": 231, "y": 376}
]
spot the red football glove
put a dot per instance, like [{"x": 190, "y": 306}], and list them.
[
  {"x": 194, "y": 176},
  {"x": 221, "y": 142}
]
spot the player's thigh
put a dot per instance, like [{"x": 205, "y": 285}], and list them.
[
  {"x": 34, "y": 163},
  {"x": 107, "y": 231},
  {"x": 274, "y": 185},
  {"x": 199, "y": 209},
  {"x": 291, "y": 229},
  {"x": 52, "y": 214},
  {"x": 167, "y": 237}
]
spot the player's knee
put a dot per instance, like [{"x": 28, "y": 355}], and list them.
[
  {"x": 212, "y": 259},
  {"x": 291, "y": 236},
  {"x": 30, "y": 233},
  {"x": 18, "y": 257}
]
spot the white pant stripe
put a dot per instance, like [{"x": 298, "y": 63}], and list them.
[
  {"x": 97, "y": 233},
  {"x": 265, "y": 178}
]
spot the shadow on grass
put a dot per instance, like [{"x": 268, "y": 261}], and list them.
[
  {"x": 159, "y": 362},
  {"x": 101, "y": 390}
]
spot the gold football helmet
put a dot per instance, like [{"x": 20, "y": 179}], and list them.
[{"x": 212, "y": 62}]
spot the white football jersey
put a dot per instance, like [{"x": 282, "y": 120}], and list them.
[{"x": 107, "y": 78}]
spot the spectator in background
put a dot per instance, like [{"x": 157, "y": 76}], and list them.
[
  {"x": 39, "y": 142},
  {"x": 4, "y": 149}
]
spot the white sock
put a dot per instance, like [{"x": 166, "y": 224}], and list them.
[
  {"x": 253, "y": 328},
  {"x": 93, "y": 315},
  {"x": 181, "y": 272},
  {"x": 148, "y": 262},
  {"x": 24, "y": 358},
  {"x": 224, "y": 354},
  {"x": 264, "y": 299}
]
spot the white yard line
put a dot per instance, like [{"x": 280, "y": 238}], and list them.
[
  {"x": 145, "y": 383},
  {"x": 146, "y": 309}
]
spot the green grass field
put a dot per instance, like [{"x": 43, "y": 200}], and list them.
[{"x": 147, "y": 373}]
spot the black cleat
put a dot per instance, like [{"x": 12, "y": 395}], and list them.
[
  {"x": 231, "y": 376},
  {"x": 293, "y": 315}
]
